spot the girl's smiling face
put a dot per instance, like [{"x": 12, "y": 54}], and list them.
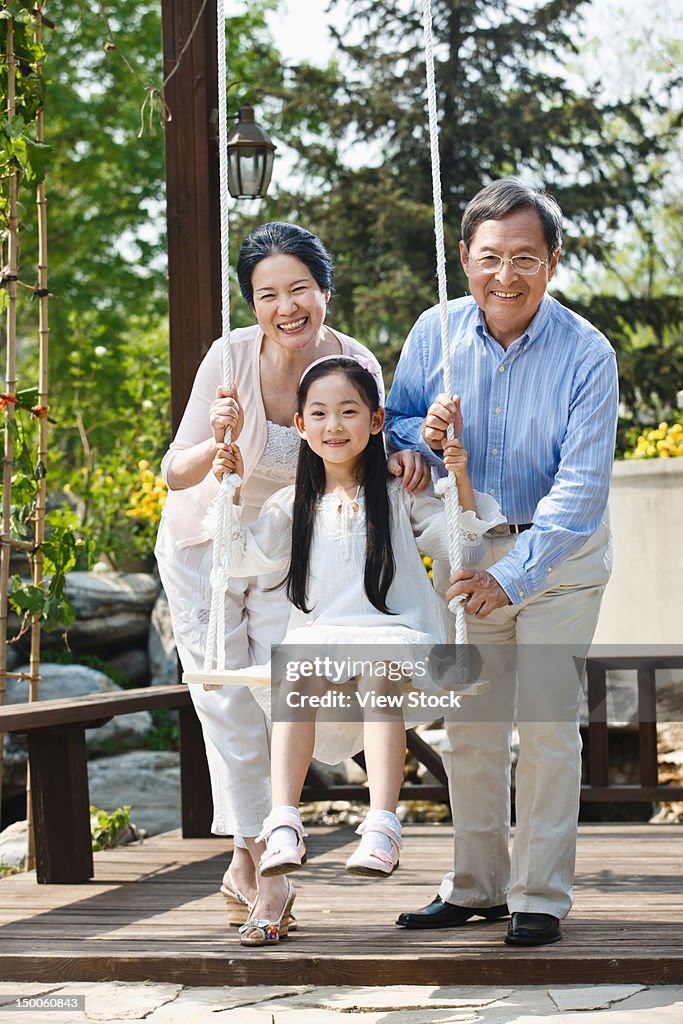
[
  {"x": 337, "y": 422},
  {"x": 289, "y": 304}
]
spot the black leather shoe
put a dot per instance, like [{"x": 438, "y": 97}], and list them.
[
  {"x": 533, "y": 930},
  {"x": 448, "y": 915}
]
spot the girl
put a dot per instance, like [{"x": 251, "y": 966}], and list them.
[{"x": 349, "y": 538}]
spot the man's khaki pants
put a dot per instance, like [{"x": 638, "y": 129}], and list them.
[{"x": 531, "y": 655}]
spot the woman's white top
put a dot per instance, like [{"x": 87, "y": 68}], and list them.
[{"x": 275, "y": 468}]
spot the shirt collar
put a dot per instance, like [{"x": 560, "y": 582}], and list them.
[{"x": 533, "y": 330}]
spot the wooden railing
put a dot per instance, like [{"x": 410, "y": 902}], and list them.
[{"x": 58, "y": 759}]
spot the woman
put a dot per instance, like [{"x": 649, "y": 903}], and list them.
[{"x": 286, "y": 276}]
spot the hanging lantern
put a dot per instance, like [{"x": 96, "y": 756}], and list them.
[{"x": 250, "y": 157}]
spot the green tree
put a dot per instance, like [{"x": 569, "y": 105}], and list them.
[
  {"x": 511, "y": 100},
  {"x": 109, "y": 380}
]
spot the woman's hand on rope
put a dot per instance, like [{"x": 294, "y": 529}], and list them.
[
  {"x": 484, "y": 592},
  {"x": 441, "y": 412},
  {"x": 228, "y": 459},
  {"x": 226, "y": 413},
  {"x": 414, "y": 469}
]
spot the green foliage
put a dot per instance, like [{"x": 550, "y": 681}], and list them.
[
  {"x": 105, "y": 827},
  {"x": 19, "y": 152},
  {"x": 107, "y": 447},
  {"x": 512, "y": 99},
  {"x": 61, "y": 656},
  {"x": 165, "y": 734},
  {"x": 61, "y": 546},
  {"x": 109, "y": 377}
]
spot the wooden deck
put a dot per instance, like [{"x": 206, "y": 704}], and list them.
[{"x": 153, "y": 912}]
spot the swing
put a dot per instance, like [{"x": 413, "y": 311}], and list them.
[{"x": 214, "y": 673}]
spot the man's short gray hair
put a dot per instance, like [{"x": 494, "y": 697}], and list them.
[{"x": 505, "y": 196}]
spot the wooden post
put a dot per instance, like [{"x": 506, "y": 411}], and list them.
[
  {"x": 61, "y": 806},
  {"x": 195, "y": 784},
  {"x": 191, "y": 193}
]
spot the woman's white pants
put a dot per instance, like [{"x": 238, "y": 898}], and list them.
[{"x": 236, "y": 730}]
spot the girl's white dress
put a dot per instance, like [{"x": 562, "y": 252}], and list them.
[{"x": 341, "y": 613}]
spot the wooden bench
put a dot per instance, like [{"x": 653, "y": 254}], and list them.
[{"x": 58, "y": 762}]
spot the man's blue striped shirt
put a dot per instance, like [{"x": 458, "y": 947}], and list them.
[{"x": 539, "y": 425}]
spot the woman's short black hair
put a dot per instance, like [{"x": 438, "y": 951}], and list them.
[
  {"x": 279, "y": 239},
  {"x": 505, "y": 196}
]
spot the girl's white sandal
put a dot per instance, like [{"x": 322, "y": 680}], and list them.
[
  {"x": 375, "y": 863},
  {"x": 282, "y": 860}
]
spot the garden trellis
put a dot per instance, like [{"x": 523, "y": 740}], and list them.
[
  {"x": 11, "y": 399},
  {"x": 214, "y": 673}
]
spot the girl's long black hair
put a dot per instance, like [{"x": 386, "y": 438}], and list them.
[{"x": 310, "y": 486}]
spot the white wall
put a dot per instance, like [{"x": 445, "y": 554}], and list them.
[{"x": 643, "y": 603}]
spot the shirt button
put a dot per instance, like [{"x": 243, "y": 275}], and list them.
[
  {"x": 501, "y": 369},
  {"x": 550, "y": 568},
  {"x": 498, "y": 410},
  {"x": 492, "y": 491},
  {"x": 494, "y": 451}
]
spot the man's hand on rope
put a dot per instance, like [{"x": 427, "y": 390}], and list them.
[
  {"x": 226, "y": 413},
  {"x": 441, "y": 412},
  {"x": 485, "y": 593},
  {"x": 414, "y": 469}
]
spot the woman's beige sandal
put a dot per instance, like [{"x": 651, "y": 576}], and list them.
[
  {"x": 260, "y": 932},
  {"x": 282, "y": 858},
  {"x": 238, "y": 906}
]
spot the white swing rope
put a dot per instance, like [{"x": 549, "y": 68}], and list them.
[
  {"x": 214, "y": 656},
  {"x": 449, "y": 486}
]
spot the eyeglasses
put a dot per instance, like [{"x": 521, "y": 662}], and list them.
[{"x": 490, "y": 263}]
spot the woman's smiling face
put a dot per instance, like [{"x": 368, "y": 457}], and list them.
[{"x": 289, "y": 304}]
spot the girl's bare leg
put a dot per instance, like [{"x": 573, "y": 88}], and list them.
[{"x": 384, "y": 739}]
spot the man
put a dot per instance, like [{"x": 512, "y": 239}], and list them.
[{"x": 537, "y": 386}]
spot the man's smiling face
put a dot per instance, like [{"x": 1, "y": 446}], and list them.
[{"x": 508, "y": 300}]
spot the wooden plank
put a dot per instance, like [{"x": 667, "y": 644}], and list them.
[
  {"x": 91, "y": 707},
  {"x": 170, "y": 924}
]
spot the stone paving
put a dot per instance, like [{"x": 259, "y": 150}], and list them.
[{"x": 156, "y": 1003}]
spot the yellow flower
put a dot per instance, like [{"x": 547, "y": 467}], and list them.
[{"x": 143, "y": 464}]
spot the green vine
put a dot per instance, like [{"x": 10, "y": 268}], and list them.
[
  {"x": 61, "y": 547},
  {"x": 22, "y": 155}
]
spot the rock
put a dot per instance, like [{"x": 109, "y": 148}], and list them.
[
  {"x": 148, "y": 780},
  {"x": 597, "y": 997},
  {"x": 112, "y": 610},
  {"x": 133, "y": 664},
  {"x": 62, "y": 681},
  {"x": 14, "y": 844},
  {"x": 163, "y": 657}
]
